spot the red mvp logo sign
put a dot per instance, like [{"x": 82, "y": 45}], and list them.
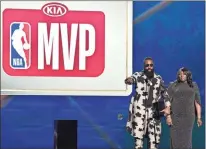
[{"x": 53, "y": 41}]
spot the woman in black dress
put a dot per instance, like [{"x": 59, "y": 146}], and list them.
[{"x": 186, "y": 105}]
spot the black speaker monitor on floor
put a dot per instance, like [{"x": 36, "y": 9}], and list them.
[{"x": 65, "y": 134}]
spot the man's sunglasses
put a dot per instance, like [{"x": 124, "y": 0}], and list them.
[{"x": 147, "y": 65}]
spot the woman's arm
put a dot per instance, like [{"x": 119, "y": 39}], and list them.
[
  {"x": 197, "y": 104},
  {"x": 198, "y": 109},
  {"x": 197, "y": 100}
]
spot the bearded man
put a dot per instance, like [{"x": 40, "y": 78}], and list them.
[{"x": 144, "y": 118}]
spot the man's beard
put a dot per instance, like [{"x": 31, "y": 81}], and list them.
[{"x": 149, "y": 74}]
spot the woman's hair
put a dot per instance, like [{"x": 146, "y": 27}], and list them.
[{"x": 188, "y": 76}]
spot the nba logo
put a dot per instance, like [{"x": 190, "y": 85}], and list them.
[{"x": 20, "y": 45}]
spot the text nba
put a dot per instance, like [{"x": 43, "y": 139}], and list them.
[{"x": 48, "y": 48}]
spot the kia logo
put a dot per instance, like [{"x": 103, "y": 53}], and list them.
[{"x": 54, "y": 9}]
